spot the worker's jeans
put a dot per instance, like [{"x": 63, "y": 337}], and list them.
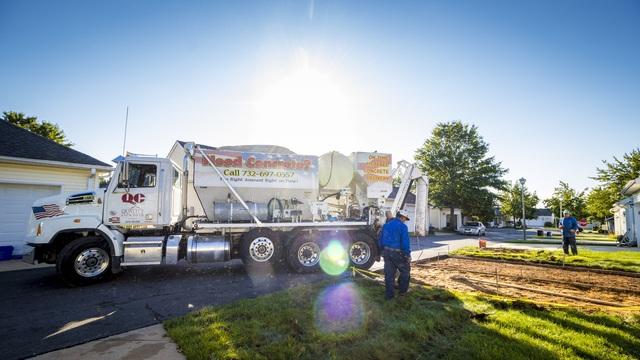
[
  {"x": 569, "y": 240},
  {"x": 395, "y": 260}
]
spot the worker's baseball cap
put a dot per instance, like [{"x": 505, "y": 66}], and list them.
[
  {"x": 403, "y": 213},
  {"x": 566, "y": 212}
]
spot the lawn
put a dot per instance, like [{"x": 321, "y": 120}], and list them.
[
  {"x": 610, "y": 260},
  {"x": 348, "y": 319}
]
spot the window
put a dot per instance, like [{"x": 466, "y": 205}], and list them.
[
  {"x": 140, "y": 176},
  {"x": 176, "y": 177}
]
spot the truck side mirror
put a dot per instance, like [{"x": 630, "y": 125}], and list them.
[{"x": 124, "y": 176}]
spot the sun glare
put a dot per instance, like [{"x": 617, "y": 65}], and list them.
[{"x": 306, "y": 94}]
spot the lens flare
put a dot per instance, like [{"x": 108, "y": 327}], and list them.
[
  {"x": 339, "y": 309},
  {"x": 334, "y": 259}
]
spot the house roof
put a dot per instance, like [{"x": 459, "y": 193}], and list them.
[
  {"x": 411, "y": 197},
  {"x": 271, "y": 149},
  {"x": 16, "y": 142},
  {"x": 543, "y": 212}
]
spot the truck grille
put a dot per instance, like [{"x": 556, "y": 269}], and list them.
[{"x": 83, "y": 198}]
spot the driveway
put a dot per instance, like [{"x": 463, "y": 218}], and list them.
[{"x": 40, "y": 314}]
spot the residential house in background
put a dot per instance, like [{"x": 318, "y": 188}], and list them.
[
  {"x": 627, "y": 212},
  {"x": 542, "y": 216},
  {"x": 33, "y": 167}
]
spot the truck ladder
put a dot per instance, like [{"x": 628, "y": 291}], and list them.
[{"x": 405, "y": 185}]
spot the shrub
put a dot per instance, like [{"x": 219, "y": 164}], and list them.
[{"x": 548, "y": 224}]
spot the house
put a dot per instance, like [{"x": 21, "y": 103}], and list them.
[
  {"x": 626, "y": 212},
  {"x": 541, "y": 216},
  {"x": 439, "y": 218},
  {"x": 32, "y": 167}
]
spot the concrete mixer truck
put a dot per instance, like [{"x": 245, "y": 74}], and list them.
[{"x": 265, "y": 205}]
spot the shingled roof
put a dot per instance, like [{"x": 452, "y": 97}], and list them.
[{"x": 17, "y": 142}]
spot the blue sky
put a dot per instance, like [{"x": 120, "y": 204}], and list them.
[{"x": 554, "y": 86}]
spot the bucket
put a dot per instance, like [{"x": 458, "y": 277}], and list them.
[
  {"x": 5, "y": 252},
  {"x": 482, "y": 244}
]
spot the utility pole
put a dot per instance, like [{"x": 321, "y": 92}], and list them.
[{"x": 524, "y": 222}]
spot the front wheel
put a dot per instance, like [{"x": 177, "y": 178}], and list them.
[{"x": 84, "y": 261}]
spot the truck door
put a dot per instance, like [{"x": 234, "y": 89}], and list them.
[{"x": 134, "y": 199}]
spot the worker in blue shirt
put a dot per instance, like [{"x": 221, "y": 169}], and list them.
[
  {"x": 569, "y": 226},
  {"x": 396, "y": 251}
]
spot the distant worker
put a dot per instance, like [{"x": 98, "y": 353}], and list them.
[
  {"x": 569, "y": 226},
  {"x": 396, "y": 251}
]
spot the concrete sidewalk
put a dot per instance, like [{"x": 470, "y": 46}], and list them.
[
  {"x": 149, "y": 343},
  {"x": 18, "y": 264}
]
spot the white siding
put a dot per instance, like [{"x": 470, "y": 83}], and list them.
[{"x": 70, "y": 180}]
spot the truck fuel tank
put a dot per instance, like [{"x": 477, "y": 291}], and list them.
[{"x": 208, "y": 248}]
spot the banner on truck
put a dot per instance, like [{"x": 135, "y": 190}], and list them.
[
  {"x": 375, "y": 169},
  {"x": 244, "y": 169}
]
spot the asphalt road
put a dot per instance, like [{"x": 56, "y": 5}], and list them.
[{"x": 38, "y": 313}]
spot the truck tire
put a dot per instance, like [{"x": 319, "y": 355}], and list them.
[
  {"x": 362, "y": 251},
  {"x": 261, "y": 249},
  {"x": 84, "y": 261},
  {"x": 303, "y": 254}
]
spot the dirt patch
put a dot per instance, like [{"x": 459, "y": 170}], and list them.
[{"x": 559, "y": 285}]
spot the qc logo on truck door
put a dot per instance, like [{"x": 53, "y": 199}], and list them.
[{"x": 134, "y": 199}]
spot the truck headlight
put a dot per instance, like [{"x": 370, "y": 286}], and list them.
[{"x": 39, "y": 229}]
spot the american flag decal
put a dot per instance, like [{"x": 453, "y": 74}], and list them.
[{"x": 45, "y": 211}]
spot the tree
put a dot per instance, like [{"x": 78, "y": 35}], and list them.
[
  {"x": 511, "y": 202},
  {"x": 567, "y": 198},
  {"x": 600, "y": 201},
  {"x": 617, "y": 173},
  {"x": 45, "y": 129},
  {"x": 612, "y": 177},
  {"x": 460, "y": 172}
]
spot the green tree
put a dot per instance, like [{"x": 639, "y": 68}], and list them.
[
  {"x": 511, "y": 202},
  {"x": 461, "y": 173},
  {"x": 600, "y": 201},
  {"x": 617, "y": 173},
  {"x": 567, "y": 198},
  {"x": 612, "y": 177},
  {"x": 43, "y": 128}
]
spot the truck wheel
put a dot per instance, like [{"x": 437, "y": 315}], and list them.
[
  {"x": 362, "y": 251},
  {"x": 303, "y": 254},
  {"x": 84, "y": 261},
  {"x": 261, "y": 249}
]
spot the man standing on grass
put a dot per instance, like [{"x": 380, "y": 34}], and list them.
[
  {"x": 396, "y": 251},
  {"x": 569, "y": 226}
]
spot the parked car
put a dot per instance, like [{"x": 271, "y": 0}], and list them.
[{"x": 473, "y": 228}]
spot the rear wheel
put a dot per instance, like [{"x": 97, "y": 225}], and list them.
[
  {"x": 84, "y": 261},
  {"x": 261, "y": 249},
  {"x": 362, "y": 251},
  {"x": 303, "y": 254}
]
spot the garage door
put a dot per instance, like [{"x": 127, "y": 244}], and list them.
[{"x": 15, "y": 208}]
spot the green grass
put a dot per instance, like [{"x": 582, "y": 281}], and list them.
[
  {"x": 609, "y": 260},
  {"x": 427, "y": 323}
]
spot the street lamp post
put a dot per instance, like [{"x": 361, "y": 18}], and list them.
[{"x": 524, "y": 222}]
